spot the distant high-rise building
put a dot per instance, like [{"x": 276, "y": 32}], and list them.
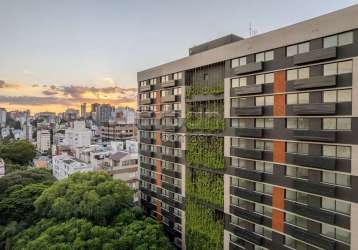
[
  {"x": 27, "y": 130},
  {"x": 83, "y": 110},
  {"x": 105, "y": 113},
  {"x": 2, "y": 117},
  {"x": 43, "y": 140},
  {"x": 70, "y": 114}
]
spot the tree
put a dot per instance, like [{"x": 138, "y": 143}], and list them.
[
  {"x": 12, "y": 167},
  {"x": 20, "y": 152},
  {"x": 94, "y": 196}
]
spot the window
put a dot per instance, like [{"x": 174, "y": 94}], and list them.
[
  {"x": 344, "y": 67},
  {"x": 153, "y": 81},
  {"x": 264, "y": 122},
  {"x": 335, "y": 233},
  {"x": 336, "y": 151},
  {"x": 295, "y": 74},
  {"x": 297, "y": 196},
  {"x": 297, "y": 172},
  {"x": 296, "y": 220},
  {"x": 165, "y": 79},
  {"x": 263, "y": 231},
  {"x": 341, "y": 95},
  {"x": 238, "y": 62},
  {"x": 177, "y": 76},
  {"x": 297, "y": 148},
  {"x": 264, "y": 100},
  {"x": 264, "y": 56},
  {"x": 264, "y": 210},
  {"x": 338, "y": 40},
  {"x": 297, "y": 123},
  {"x": 264, "y": 78},
  {"x": 336, "y": 206},
  {"x": 263, "y": 188},
  {"x": 297, "y": 49},
  {"x": 295, "y": 244},
  {"x": 336, "y": 178},
  {"x": 265, "y": 167},
  {"x": 298, "y": 98},
  {"x": 337, "y": 123},
  {"x": 238, "y": 82},
  {"x": 263, "y": 145}
]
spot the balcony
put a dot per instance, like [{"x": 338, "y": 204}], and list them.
[
  {"x": 146, "y": 127},
  {"x": 145, "y": 88},
  {"x": 171, "y": 173},
  {"x": 247, "y": 215},
  {"x": 248, "y": 68},
  {"x": 244, "y": 173},
  {"x": 247, "y": 153},
  {"x": 170, "y": 158},
  {"x": 314, "y": 109},
  {"x": 310, "y": 237},
  {"x": 315, "y": 55},
  {"x": 171, "y": 83},
  {"x": 146, "y": 101},
  {"x": 147, "y": 140},
  {"x": 247, "y": 111},
  {"x": 147, "y": 166},
  {"x": 146, "y": 153},
  {"x": 170, "y": 128},
  {"x": 168, "y": 98},
  {"x": 249, "y": 132},
  {"x": 311, "y": 212},
  {"x": 246, "y": 194},
  {"x": 315, "y": 135},
  {"x": 246, "y": 234},
  {"x": 169, "y": 114},
  {"x": 315, "y": 82},
  {"x": 247, "y": 90},
  {"x": 315, "y": 188},
  {"x": 146, "y": 114},
  {"x": 172, "y": 144},
  {"x": 318, "y": 162}
]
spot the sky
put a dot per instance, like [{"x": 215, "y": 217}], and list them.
[{"x": 55, "y": 54}]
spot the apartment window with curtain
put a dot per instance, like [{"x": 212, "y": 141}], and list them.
[
  {"x": 238, "y": 82},
  {"x": 264, "y": 56},
  {"x": 297, "y": 49},
  {"x": 238, "y": 62},
  {"x": 338, "y": 40},
  {"x": 338, "y": 68},
  {"x": 296, "y": 74}
]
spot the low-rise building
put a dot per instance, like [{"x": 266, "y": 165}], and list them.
[
  {"x": 2, "y": 167},
  {"x": 78, "y": 136},
  {"x": 64, "y": 165},
  {"x": 43, "y": 141},
  {"x": 118, "y": 131}
]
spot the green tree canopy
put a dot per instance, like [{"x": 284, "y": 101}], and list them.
[
  {"x": 20, "y": 152},
  {"x": 94, "y": 195}
]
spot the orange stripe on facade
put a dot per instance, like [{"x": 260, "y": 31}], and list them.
[
  {"x": 158, "y": 140},
  {"x": 279, "y": 151},
  {"x": 159, "y": 210},
  {"x": 159, "y": 173},
  {"x": 279, "y": 86},
  {"x": 278, "y": 201},
  {"x": 157, "y": 104},
  {"x": 277, "y": 220}
]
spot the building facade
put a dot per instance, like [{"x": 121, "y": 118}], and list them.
[
  {"x": 117, "y": 132},
  {"x": 64, "y": 165},
  {"x": 2, "y": 117},
  {"x": 78, "y": 135},
  {"x": 43, "y": 141},
  {"x": 251, "y": 143}
]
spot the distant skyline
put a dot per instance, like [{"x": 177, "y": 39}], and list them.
[{"x": 56, "y": 54}]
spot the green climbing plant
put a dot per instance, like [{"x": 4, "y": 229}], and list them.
[
  {"x": 207, "y": 151},
  {"x": 205, "y": 186},
  {"x": 203, "y": 90},
  {"x": 204, "y": 228},
  {"x": 205, "y": 116}
]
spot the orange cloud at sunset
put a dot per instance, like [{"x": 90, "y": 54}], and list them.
[{"x": 38, "y": 97}]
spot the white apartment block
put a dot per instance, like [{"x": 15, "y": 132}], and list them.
[
  {"x": 78, "y": 136},
  {"x": 43, "y": 142},
  {"x": 64, "y": 165}
]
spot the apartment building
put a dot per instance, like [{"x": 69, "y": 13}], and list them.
[
  {"x": 43, "y": 142},
  {"x": 251, "y": 143},
  {"x": 113, "y": 131}
]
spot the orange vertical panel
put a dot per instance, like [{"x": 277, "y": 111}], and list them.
[
  {"x": 277, "y": 220},
  {"x": 279, "y": 106},
  {"x": 279, "y": 151},
  {"x": 159, "y": 173},
  {"x": 279, "y": 86},
  {"x": 157, "y": 104},
  {"x": 159, "y": 211},
  {"x": 278, "y": 196},
  {"x": 158, "y": 138}
]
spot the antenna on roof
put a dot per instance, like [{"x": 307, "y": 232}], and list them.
[{"x": 252, "y": 30}]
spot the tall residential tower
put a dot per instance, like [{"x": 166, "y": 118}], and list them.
[{"x": 252, "y": 143}]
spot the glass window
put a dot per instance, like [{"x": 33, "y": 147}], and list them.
[
  {"x": 242, "y": 81},
  {"x": 303, "y": 73},
  {"x": 330, "y": 69},
  {"x": 345, "y": 38},
  {"x": 303, "y": 48},
  {"x": 260, "y": 101},
  {"x": 329, "y": 123},
  {"x": 260, "y": 57},
  {"x": 330, "y": 41},
  {"x": 329, "y": 151},
  {"x": 344, "y": 123},
  {"x": 242, "y": 61},
  {"x": 291, "y": 50},
  {"x": 260, "y": 79},
  {"x": 329, "y": 96},
  {"x": 344, "y": 95},
  {"x": 291, "y": 123},
  {"x": 269, "y": 55},
  {"x": 269, "y": 100},
  {"x": 303, "y": 98},
  {"x": 269, "y": 78},
  {"x": 291, "y": 74},
  {"x": 234, "y": 82},
  {"x": 345, "y": 67},
  {"x": 343, "y": 152},
  {"x": 234, "y": 63},
  {"x": 337, "y": 206},
  {"x": 291, "y": 99}
]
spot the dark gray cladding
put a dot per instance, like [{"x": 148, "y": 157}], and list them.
[
  {"x": 315, "y": 82},
  {"x": 214, "y": 44},
  {"x": 315, "y": 55}
]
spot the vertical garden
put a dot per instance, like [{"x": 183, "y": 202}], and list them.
[{"x": 205, "y": 161}]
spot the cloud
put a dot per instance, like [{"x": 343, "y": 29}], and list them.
[
  {"x": 28, "y": 72},
  {"x": 78, "y": 91},
  {"x": 49, "y": 92},
  {"x": 4, "y": 85},
  {"x": 108, "y": 80}
]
